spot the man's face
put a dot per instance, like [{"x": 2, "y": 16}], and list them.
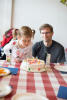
[{"x": 46, "y": 34}]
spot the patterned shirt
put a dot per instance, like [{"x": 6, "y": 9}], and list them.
[{"x": 22, "y": 53}]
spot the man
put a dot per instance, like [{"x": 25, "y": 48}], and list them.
[{"x": 48, "y": 46}]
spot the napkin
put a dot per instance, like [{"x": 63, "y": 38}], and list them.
[
  {"x": 12, "y": 70},
  {"x": 63, "y": 72},
  {"x": 62, "y": 92}
]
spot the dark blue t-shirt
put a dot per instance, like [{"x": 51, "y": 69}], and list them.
[{"x": 56, "y": 50}]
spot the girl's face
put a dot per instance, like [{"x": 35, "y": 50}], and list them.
[{"x": 25, "y": 41}]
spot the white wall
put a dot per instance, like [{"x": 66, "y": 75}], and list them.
[
  {"x": 37, "y": 12},
  {"x": 5, "y": 16},
  {"x": 34, "y": 13}
]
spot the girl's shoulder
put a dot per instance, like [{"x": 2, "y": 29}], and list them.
[{"x": 14, "y": 42}]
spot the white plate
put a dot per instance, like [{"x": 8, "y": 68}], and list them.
[
  {"x": 28, "y": 96},
  {"x": 4, "y": 71},
  {"x": 62, "y": 68},
  {"x": 36, "y": 71},
  {"x": 25, "y": 69},
  {"x": 5, "y": 90}
]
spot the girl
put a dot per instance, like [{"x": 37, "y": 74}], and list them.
[{"x": 22, "y": 48}]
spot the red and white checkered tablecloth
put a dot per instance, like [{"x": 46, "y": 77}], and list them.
[{"x": 45, "y": 83}]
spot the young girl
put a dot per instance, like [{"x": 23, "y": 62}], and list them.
[{"x": 22, "y": 48}]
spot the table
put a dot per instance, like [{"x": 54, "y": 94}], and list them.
[{"x": 44, "y": 83}]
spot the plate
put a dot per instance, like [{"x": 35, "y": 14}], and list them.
[
  {"x": 25, "y": 69},
  {"x": 28, "y": 96},
  {"x": 4, "y": 71},
  {"x": 62, "y": 68},
  {"x": 36, "y": 71},
  {"x": 5, "y": 90}
]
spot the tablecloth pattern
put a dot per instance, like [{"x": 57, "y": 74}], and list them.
[{"x": 44, "y": 83}]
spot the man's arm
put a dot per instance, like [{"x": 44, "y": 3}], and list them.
[
  {"x": 34, "y": 50},
  {"x": 61, "y": 57}
]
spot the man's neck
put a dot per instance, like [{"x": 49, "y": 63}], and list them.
[{"x": 48, "y": 44}]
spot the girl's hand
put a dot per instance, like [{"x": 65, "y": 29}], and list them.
[
  {"x": 18, "y": 53},
  {"x": 18, "y": 60},
  {"x": 21, "y": 55}
]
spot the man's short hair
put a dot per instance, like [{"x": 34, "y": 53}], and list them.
[{"x": 46, "y": 26}]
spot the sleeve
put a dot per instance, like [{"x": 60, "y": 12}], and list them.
[
  {"x": 28, "y": 52},
  {"x": 61, "y": 57}
]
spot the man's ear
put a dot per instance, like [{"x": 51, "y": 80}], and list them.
[{"x": 52, "y": 33}]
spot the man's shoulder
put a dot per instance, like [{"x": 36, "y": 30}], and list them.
[
  {"x": 40, "y": 43},
  {"x": 57, "y": 44},
  {"x": 37, "y": 45}
]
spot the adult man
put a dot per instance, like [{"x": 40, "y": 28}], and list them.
[{"x": 48, "y": 46}]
